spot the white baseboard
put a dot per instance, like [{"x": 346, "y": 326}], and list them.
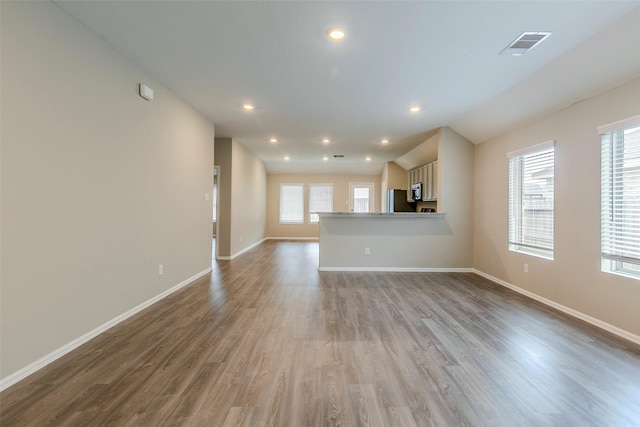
[
  {"x": 312, "y": 239},
  {"x": 402, "y": 269},
  {"x": 237, "y": 254},
  {"x": 45, "y": 360},
  {"x": 567, "y": 310}
]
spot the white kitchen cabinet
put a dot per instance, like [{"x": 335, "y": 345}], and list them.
[
  {"x": 428, "y": 185},
  {"x": 434, "y": 180},
  {"x": 425, "y": 180},
  {"x": 426, "y": 174}
]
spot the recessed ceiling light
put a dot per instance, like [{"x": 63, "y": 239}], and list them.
[
  {"x": 325, "y": 158},
  {"x": 368, "y": 159},
  {"x": 273, "y": 140},
  {"x": 414, "y": 109},
  {"x": 287, "y": 157},
  {"x": 326, "y": 141},
  {"x": 336, "y": 34},
  {"x": 384, "y": 141},
  {"x": 248, "y": 107}
]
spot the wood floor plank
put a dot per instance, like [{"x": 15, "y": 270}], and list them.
[{"x": 267, "y": 340}]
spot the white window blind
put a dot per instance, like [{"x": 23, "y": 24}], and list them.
[
  {"x": 620, "y": 198},
  {"x": 291, "y": 204},
  {"x": 531, "y": 200},
  {"x": 320, "y": 200}
]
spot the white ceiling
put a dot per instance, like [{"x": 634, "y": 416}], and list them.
[{"x": 441, "y": 55}]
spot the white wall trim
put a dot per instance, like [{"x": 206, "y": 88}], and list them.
[
  {"x": 619, "y": 124},
  {"x": 237, "y": 254},
  {"x": 51, "y": 357},
  {"x": 570, "y": 311},
  {"x": 402, "y": 269},
  {"x": 293, "y": 238}
]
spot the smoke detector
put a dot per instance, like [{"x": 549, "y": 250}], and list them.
[{"x": 525, "y": 42}]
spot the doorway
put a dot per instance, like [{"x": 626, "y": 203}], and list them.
[
  {"x": 361, "y": 197},
  {"x": 214, "y": 198}
]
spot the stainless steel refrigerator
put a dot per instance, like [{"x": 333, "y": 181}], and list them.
[{"x": 397, "y": 201}]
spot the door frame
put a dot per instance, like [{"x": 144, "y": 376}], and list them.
[{"x": 372, "y": 194}]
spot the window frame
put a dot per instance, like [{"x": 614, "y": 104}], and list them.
[
  {"x": 613, "y": 198},
  {"x": 281, "y": 201},
  {"x": 517, "y": 238}
]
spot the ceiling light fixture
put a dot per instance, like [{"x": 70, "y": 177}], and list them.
[
  {"x": 287, "y": 157},
  {"x": 325, "y": 158},
  {"x": 368, "y": 159},
  {"x": 414, "y": 109},
  {"x": 336, "y": 34},
  {"x": 248, "y": 107},
  {"x": 326, "y": 141},
  {"x": 384, "y": 141},
  {"x": 273, "y": 140}
]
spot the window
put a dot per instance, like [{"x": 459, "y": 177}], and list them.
[
  {"x": 291, "y": 204},
  {"x": 320, "y": 200},
  {"x": 531, "y": 173},
  {"x": 361, "y": 196},
  {"x": 620, "y": 197}
]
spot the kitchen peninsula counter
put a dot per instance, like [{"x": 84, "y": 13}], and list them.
[
  {"x": 401, "y": 241},
  {"x": 383, "y": 215}
]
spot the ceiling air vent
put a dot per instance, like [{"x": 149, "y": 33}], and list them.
[
  {"x": 338, "y": 156},
  {"x": 525, "y": 42}
]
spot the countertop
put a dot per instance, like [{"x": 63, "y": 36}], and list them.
[{"x": 403, "y": 215}]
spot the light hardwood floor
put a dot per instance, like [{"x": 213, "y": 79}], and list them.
[{"x": 268, "y": 340}]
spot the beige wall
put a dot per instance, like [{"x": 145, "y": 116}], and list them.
[
  {"x": 423, "y": 153},
  {"x": 573, "y": 278},
  {"x": 223, "y": 156},
  {"x": 340, "y": 200},
  {"x": 455, "y": 190},
  {"x": 396, "y": 176},
  {"x": 99, "y": 186},
  {"x": 242, "y": 184},
  {"x": 392, "y": 177},
  {"x": 248, "y": 199}
]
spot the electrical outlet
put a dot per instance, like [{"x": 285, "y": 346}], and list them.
[
  {"x": 367, "y": 251},
  {"x": 160, "y": 270},
  {"x": 206, "y": 196},
  {"x": 526, "y": 268}
]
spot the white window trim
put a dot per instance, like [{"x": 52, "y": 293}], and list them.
[
  {"x": 610, "y": 263},
  {"x": 532, "y": 149},
  {"x": 518, "y": 246},
  {"x": 631, "y": 121}
]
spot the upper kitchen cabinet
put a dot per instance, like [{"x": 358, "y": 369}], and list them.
[
  {"x": 430, "y": 181},
  {"x": 443, "y": 164}
]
